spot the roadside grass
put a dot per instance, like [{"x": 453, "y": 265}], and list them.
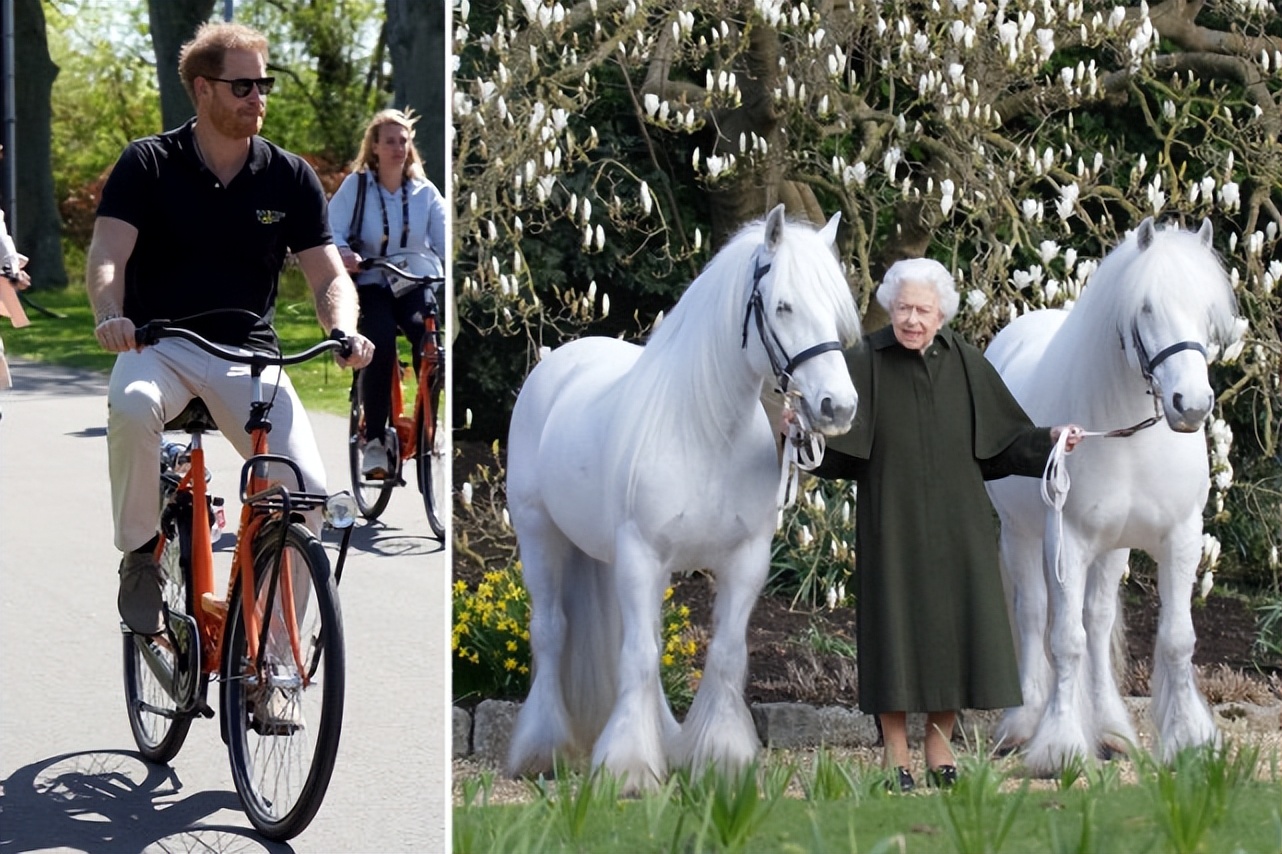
[
  {"x": 68, "y": 340},
  {"x": 1208, "y": 800}
]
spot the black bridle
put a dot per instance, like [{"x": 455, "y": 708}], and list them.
[
  {"x": 1147, "y": 366},
  {"x": 780, "y": 362}
]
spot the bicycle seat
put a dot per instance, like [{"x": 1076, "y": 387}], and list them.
[{"x": 194, "y": 418}]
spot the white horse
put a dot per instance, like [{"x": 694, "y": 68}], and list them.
[
  {"x": 628, "y": 464},
  {"x": 1132, "y": 350}
]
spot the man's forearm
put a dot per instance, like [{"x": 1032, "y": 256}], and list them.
[{"x": 336, "y": 304}]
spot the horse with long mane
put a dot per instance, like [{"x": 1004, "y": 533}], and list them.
[
  {"x": 1128, "y": 361},
  {"x": 627, "y": 464}
]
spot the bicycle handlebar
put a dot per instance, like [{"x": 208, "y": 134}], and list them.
[
  {"x": 151, "y": 332},
  {"x": 386, "y": 265}
]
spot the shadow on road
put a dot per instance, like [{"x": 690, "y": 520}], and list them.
[
  {"x": 376, "y": 538},
  {"x": 42, "y": 378},
  {"x": 113, "y": 801}
]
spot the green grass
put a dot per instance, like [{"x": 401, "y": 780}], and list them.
[
  {"x": 1046, "y": 821},
  {"x": 69, "y": 340}
]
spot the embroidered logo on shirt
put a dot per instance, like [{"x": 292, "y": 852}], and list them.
[{"x": 270, "y": 217}]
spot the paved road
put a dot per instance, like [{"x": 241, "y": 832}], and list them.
[{"x": 70, "y": 778}]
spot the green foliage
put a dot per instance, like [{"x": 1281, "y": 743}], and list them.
[
  {"x": 830, "y": 779},
  {"x": 490, "y": 641},
  {"x": 977, "y": 816},
  {"x": 1195, "y": 792},
  {"x": 813, "y": 553},
  {"x": 105, "y": 93},
  {"x": 730, "y": 808},
  {"x": 491, "y": 636},
  {"x": 328, "y": 58},
  {"x": 752, "y": 811},
  {"x": 572, "y": 799}
]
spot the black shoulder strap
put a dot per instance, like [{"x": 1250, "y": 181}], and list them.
[{"x": 358, "y": 211}]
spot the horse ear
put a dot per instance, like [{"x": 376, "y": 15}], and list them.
[
  {"x": 829, "y": 231},
  {"x": 774, "y": 228},
  {"x": 1144, "y": 234},
  {"x": 1206, "y": 233}
]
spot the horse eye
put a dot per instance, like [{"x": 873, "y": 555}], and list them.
[{"x": 784, "y": 307}]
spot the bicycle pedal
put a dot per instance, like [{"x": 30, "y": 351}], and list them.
[{"x": 212, "y": 605}]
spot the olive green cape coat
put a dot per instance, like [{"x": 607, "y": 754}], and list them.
[{"x": 933, "y": 631}]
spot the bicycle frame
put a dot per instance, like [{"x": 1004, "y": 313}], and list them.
[
  {"x": 261, "y": 500},
  {"x": 431, "y": 361}
]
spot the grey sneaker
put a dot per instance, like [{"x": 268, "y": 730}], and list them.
[
  {"x": 374, "y": 460},
  {"x": 141, "y": 601}
]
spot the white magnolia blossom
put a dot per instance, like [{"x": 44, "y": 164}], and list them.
[
  {"x": 1048, "y": 251},
  {"x": 1066, "y": 205},
  {"x": 1031, "y": 209},
  {"x": 976, "y": 300},
  {"x": 1230, "y": 196},
  {"x": 466, "y": 493}
]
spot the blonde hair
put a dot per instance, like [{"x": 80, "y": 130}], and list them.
[
  {"x": 203, "y": 56},
  {"x": 367, "y": 159}
]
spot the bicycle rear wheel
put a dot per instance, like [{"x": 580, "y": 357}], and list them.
[
  {"x": 157, "y": 670},
  {"x": 371, "y": 495},
  {"x": 283, "y": 725},
  {"x": 426, "y": 454}
]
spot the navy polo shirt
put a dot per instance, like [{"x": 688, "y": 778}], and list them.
[{"x": 202, "y": 245}]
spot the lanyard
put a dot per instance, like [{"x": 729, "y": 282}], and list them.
[{"x": 405, "y": 215}]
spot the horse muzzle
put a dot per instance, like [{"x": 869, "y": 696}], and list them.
[
  {"x": 1184, "y": 414},
  {"x": 834, "y": 414}
]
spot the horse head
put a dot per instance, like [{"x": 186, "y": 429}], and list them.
[
  {"x": 1183, "y": 312},
  {"x": 804, "y": 315}
]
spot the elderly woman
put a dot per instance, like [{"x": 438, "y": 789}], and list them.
[{"x": 934, "y": 422}]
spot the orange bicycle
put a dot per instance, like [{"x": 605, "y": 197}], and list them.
[
  {"x": 406, "y": 436},
  {"x": 274, "y": 644}
]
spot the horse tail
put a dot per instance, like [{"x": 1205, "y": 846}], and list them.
[{"x": 590, "y": 657}]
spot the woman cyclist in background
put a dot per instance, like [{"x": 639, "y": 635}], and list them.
[{"x": 387, "y": 207}]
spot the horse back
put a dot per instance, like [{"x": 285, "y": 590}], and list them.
[
  {"x": 1017, "y": 352},
  {"x": 558, "y": 429}
]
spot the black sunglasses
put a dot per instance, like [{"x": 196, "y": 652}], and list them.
[{"x": 242, "y": 86}]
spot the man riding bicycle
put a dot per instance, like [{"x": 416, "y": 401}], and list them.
[{"x": 194, "y": 220}]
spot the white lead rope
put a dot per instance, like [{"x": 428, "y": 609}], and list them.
[
  {"x": 803, "y": 450},
  {"x": 1056, "y": 482}
]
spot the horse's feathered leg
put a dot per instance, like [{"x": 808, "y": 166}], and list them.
[
  {"x": 1061, "y": 735},
  {"x": 1180, "y": 713},
  {"x": 631, "y": 745},
  {"x": 1112, "y": 727},
  {"x": 543, "y": 730},
  {"x": 1021, "y": 561},
  {"x": 719, "y": 727}
]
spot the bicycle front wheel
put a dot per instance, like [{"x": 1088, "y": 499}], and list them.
[
  {"x": 283, "y": 723},
  {"x": 427, "y": 457},
  {"x": 161, "y": 673},
  {"x": 371, "y": 495}
]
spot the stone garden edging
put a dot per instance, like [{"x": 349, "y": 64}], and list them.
[{"x": 484, "y": 733}]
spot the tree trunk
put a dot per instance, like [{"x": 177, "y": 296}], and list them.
[
  {"x": 37, "y": 228},
  {"x": 172, "y": 23},
  {"x": 416, "y": 38}
]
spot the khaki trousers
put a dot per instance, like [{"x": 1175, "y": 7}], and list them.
[{"x": 150, "y": 387}]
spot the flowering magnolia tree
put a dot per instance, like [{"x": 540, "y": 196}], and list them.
[{"x": 604, "y": 149}]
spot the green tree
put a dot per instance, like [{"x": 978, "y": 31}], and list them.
[
  {"x": 35, "y": 227},
  {"x": 1016, "y": 142},
  {"x": 173, "y": 22}
]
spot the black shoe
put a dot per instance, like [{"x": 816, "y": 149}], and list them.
[
  {"x": 903, "y": 778},
  {"x": 943, "y": 777}
]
